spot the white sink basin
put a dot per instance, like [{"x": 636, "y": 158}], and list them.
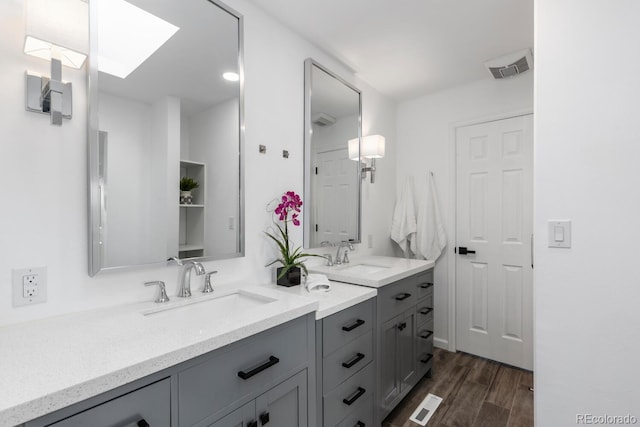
[
  {"x": 363, "y": 269},
  {"x": 216, "y": 305}
]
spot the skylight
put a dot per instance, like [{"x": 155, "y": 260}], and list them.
[{"x": 127, "y": 36}]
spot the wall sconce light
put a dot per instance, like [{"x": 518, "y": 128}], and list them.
[
  {"x": 372, "y": 147},
  {"x": 56, "y": 31}
]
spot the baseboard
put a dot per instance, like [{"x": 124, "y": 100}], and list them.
[{"x": 440, "y": 343}]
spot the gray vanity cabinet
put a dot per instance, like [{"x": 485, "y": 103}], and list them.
[
  {"x": 405, "y": 338},
  {"x": 345, "y": 367},
  {"x": 268, "y": 378}
]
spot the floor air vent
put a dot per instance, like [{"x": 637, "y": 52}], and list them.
[{"x": 425, "y": 409}]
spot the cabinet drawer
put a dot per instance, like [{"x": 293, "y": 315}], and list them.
[
  {"x": 347, "y": 396},
  {"x": 210, "y": 386},
  {"x": 425, "y": 284},
  {"x": 423, "y": 313},
  {"x": 151, "y": 403},
  {"x": 395, "y": 298},
  {"x": 345, "y": 326},
  {"x": 346, "y": 361},
  {"x": 361, "y": 416}
]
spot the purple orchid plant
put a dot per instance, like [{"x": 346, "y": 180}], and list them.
[{"x": 288, "y": 211}]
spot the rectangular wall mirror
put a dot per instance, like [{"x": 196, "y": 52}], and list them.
[
  {"x": 332, "y": 183},
  {"x": 165, "y": 104}
]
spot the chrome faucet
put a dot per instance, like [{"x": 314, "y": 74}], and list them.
[
  {"x": 184, "y": 277},
  {"x": 341, "y": 245}
]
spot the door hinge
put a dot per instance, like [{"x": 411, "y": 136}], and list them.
[
  {"x": 316, "y": 170},
  {"x": 316, "y": 228}
]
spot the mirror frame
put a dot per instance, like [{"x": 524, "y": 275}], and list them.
[
  {"x": 95, "y": 205},
  {"x": 309, "y": 63}
]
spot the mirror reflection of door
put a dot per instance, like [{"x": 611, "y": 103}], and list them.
[
  {"x": 332, "y": 180},
  {"x": 171, "y": 110}
]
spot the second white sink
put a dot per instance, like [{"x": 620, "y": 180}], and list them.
[
  {"x": 216, "y": 305},
  {"x": 363, "y": 269}
]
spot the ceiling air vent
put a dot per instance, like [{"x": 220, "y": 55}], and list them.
[
  {"x": 323, "y": 119},
  {"x": 510, "y": 65}
]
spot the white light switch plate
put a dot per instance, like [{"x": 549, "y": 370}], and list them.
[{"x": 559, "y": 234}]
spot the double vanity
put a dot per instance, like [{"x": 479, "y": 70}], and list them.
[{"x": 241, "y": 356}]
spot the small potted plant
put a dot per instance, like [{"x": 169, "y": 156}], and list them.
[
  {"x": 186, "y": 185},
  {"x": 291, "y": 258}
]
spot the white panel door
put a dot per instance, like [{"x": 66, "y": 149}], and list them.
[
  {"x": 334, "y": 217},
  {"x": 494, "y": 218}
]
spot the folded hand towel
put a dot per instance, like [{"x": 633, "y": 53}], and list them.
[
  {"x": 317, "y": 283},
  {"x": 403, "y": 224}
]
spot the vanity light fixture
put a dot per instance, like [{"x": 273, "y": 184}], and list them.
[
  {"x": 372, "y": 147},
  {"x": 231, "y": 76},
  {"x": 56, "y": 32}
]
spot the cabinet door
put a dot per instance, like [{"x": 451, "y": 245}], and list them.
[
  {"x": 242, "y": 417},
  {"x": 407, "y": 342},
  {"x": 389, "y": 384},
  {"x": 285, "y": 404}
]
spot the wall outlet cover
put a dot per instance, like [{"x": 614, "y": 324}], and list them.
[{"x": 29, "y": 285}]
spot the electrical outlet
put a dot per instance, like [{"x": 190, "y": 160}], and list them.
[{"x": 29, "y": 286}]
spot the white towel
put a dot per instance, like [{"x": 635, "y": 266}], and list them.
[
  {"x": 403, "y": 224},
  {"x": 317, "y": 283},
  {"x": 431, "y": 237}
]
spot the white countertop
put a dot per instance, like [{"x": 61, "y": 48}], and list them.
[
  {"x": 340, "y": 297},
  {"x": 391, "y": 269},
  {"x": 49, "y": 364}
]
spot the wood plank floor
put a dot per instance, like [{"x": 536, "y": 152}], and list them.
[{"x": 476, "y": 392}]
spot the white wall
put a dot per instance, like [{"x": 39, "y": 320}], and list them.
[
  {"x": 43, "y": 219},
  {"x": 213, "y": 139},
  {"x": 587, "y": 147},
  {"x": 425, "y": 135}
]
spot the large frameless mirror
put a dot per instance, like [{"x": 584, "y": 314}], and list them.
[
  {"x": 333, "y": 110},
  {"x": 165, "y": 132}
]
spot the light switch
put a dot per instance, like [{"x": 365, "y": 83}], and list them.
[{"x": 560, "y": 234}]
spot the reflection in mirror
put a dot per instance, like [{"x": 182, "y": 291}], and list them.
[
  {"x": 161, "y": 111},
  {"x": 333, "y": 110}
]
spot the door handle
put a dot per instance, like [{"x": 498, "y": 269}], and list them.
[{"x": 464, "y": 251}]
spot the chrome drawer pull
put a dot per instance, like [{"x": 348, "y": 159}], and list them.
[
  {"x": 353, "y": 361},
  {"x": 426, "y": 285},
  {"x": 359, "y": 424},
  {"x": 350, "y": 401},
  {"x": 350, "y": 328},
  {"x": 246, "y": 375},
  {"x": 426, "y": 310},
  {"x": 143, "y": 423}
]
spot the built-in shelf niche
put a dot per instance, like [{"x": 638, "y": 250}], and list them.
[{"x": 192, "y": 216}]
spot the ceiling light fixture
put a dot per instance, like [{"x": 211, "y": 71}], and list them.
[{"x": 231, "y": 76}]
